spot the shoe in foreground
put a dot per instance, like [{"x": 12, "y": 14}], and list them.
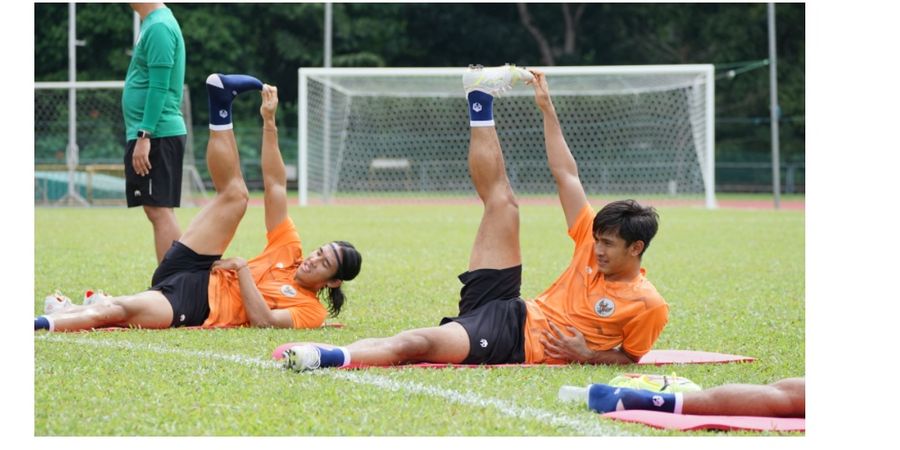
[{"x": 301, "y": 358}]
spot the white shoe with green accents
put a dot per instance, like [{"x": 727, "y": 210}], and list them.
[{"x": 494, "y": 80}]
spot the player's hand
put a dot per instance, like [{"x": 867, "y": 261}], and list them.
[
  {"x": 269, "y": 102},
  {"x": 140, "y": 159},
  {"x": 235, "y": 263},
  {"x": 541, "y": 90},
  {"x": 559, "y": 345}
]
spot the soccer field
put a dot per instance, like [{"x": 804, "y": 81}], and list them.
[{"x": 734, "y": 280}]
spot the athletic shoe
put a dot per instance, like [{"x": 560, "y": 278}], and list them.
[
  {"x": 656, "y": 383},
  {"x": 56, "y": 302},
  {"x": 494, "y": 80},
  {"x": 91, "y": 297},
  {"x": 301, "y": 358}
]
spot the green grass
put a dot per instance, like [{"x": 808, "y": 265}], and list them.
[{"x": 734, "y": 281}]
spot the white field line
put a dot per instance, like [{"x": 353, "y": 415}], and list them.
[{"x": 585, "y": 427}]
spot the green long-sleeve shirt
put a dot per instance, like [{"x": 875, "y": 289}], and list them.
[{"x": 151, "y": 100}]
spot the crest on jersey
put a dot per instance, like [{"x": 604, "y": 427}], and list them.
[
  {"x": 288, "y": 291},
  {"x": 604, "y": 307}
]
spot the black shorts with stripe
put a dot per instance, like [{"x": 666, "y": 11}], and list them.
[
  {"x": 493, "y": 315},
  {"x": 162, "y": 186}
]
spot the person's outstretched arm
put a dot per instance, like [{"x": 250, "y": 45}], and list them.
[
  {"x": 274, "y": 176},
  {"x": 559, "y": 158}
]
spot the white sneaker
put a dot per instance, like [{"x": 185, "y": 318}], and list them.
[
  {"x": 494, "y": 80},
  {"x": 56, "y": 302},
  {"x": 91, "y": 297},
  {"x": 301, "y": 358}
]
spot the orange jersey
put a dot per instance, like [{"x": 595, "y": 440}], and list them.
[
  {"x": 273, "y": 271},
  {"x": 630, "y": 313}
]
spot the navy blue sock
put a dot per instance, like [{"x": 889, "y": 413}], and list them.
[
  {"x": 604, "y": 398},
  {"x": 332, "y": 357},
  {"x": 481, "y": 109},
  {"x": 221, "y": 90},
  {"x": 41, "y": 323}
]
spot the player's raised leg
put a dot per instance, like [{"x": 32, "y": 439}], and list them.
[
  {"x": 496, "y": 243},
  {"x": 213, "y": 228}
]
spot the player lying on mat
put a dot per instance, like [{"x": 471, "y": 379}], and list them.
[
  {"x": 193, "y": 286},
  {"x": 600, "y": 310},
  {"x": 784, "y": 398}
]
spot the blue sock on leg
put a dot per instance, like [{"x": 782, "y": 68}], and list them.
[
  {"x": 604, "y": 398},
  {"x": 41, "y": 323},
  {"x": 333, "y": 357},
  {"x": 221, "y": 90},
  {"x": 481, "y": 109}
]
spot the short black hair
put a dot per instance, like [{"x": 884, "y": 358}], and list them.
[{"x": 631, "y": 221}]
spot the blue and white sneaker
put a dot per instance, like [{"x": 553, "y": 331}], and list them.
[
  {"x": 56, "y": 302},
  {"x": 301, "y": 358},
  {"x": 494, "y": 80}
]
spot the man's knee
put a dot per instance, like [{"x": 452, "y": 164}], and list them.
[
  {"x": 236, "y": 193},
  {"x": 793, "y": 396},
  {"x": 109, "y": 312},
  {"x": 502, "y": 200},
  {"x": 159, "y": 214},
  {"x": 411, "y": 345}
]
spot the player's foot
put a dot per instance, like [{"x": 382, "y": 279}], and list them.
[
  {"x": 56, "y": 302},
  {"x": 604, "y": 398},
  {"x": 494, "y": 80},
  {"x": 301, "y": 358},
  {"x": 221, "y": 90},
  {"x": 92, "y": 297}
]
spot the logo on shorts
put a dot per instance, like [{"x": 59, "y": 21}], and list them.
[
  {"x": 182, "y": 317},
  {"x": 223, "y": 113},
  {"x": 604, "y": 307},
  {"x": 137, "y": 193},
  {"x": 288, "y": 290},
  {"x": 658, "y": 401},
  {"x": 483, "y": 343},
  {"x": 476, "y": 107}
]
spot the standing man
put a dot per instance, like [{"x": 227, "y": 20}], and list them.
[{"x": 155, "y": 132}]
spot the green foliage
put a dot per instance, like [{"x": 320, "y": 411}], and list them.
[
  {"x": 734, "y": 281},
  {"x": 273, "y": 40}
]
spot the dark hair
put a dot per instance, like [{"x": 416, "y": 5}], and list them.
[
  {"x": 631, "y": 221},
  {"x": 349, "y": 264}
]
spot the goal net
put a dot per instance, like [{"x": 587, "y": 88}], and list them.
[
  {"x": 92, "y": 171},
  {"x": 401, "y": 133}
]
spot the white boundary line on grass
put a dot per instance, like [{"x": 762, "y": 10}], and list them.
[{"x": 590, "y": 427}]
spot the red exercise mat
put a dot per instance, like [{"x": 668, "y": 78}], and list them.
[
  {"x": 686, "y": 422},
  {"x": 654, "y": 357}
]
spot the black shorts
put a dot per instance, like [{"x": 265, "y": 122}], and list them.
[
  {"x": 162, "y": 186},
  {"x": 183, "y": 278},
  {"x": 493, "y": 315}
]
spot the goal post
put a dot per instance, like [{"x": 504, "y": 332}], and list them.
[
  {"x": 403, "y": 132},
  {"x": 79, "y": 138}
]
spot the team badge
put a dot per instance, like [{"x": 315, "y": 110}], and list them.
[
  {"x": 288, "y": 291},
  {"x": 604, "y": 307}
]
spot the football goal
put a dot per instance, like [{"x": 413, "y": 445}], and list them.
[{"x": 402, "y": 133}]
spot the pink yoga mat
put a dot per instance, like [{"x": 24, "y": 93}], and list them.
[
  {"x": 685, "y": 422},
  {"x": 654, "y": 357},
  {"x": 325, "y": 325}
]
